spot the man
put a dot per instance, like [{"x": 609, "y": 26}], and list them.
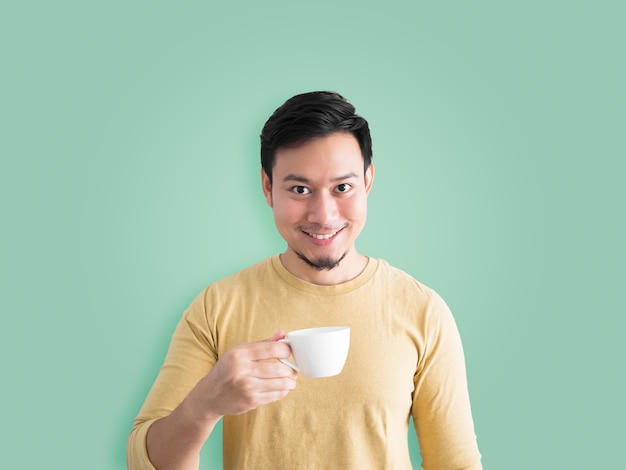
[{"x": 405, "y": 357}]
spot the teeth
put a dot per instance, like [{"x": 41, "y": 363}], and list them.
[{"x": 322, "y": 237}]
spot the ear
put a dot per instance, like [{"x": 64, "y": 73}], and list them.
[
  {"x": 369, "y": 178},
  {"x": 267, "y": 187}
]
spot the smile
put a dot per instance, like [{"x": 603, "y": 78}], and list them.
[{"x": 322, "y": 236}]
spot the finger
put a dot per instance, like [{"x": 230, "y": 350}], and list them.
[
  {"x": 280, "y": 384},
  {"x": 264, "y": 351},
  {"x": 273, "y": 369},
  {"x": 280, "y": 334}
]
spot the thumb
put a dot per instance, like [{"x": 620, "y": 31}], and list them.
[{"x": 280, "y": 334}]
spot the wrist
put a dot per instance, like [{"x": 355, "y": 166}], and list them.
[{"x": 197, "y": 408}]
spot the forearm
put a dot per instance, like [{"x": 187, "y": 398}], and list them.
[
  {"x": 245, "y": 377},
  {"x": 175, "y": 441}
]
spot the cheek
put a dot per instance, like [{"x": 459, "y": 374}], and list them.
[
  {"x": 356, "y": 209},
  {"x": 286, "y": 211}
]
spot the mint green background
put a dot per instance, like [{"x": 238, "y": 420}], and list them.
[{"x": 129, "y": 180}]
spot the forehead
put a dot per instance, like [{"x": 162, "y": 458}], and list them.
[{"x": 328, "y": 156}]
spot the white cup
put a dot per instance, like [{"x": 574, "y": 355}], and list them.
[{"x": 318, "y": 352}]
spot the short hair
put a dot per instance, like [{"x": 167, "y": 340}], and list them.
[{"x": 310, "y": 115}]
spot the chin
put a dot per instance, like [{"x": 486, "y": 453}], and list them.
[{"x": 323, "y": 263}]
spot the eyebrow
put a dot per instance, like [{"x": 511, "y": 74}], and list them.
[{"x": 302, "y": 179}]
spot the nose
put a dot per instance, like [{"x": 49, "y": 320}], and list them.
[{"x": 323, "y": 209}]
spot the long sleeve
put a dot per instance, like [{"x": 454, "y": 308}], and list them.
[
  {"x": 190, "y": 357},
  {"x": 441, "y": 407}
]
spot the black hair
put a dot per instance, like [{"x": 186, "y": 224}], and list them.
[{"x": 310, "y": 115}]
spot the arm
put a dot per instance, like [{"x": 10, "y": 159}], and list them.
[
  {"x": 194, "y": 390},
  {"x": 242, "y": 380},
  {"x": 441, "y": 406}
]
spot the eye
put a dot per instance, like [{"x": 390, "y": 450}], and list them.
[
  {"x": 344, "y": 188},
  {"x": 300, "y": 190}
]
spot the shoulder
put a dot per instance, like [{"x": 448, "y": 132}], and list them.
[
  {"x": 399, "y": 278},
  {"x": 252, "y": 273},
  {"x": 406, "y": 288},
  {"x": 232, "y": 287}
]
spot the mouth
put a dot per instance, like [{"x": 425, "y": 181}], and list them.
[
  {"x": 320, "y": 236},
  {"x": 323, "y": 237}
]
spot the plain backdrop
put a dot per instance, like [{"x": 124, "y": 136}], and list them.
[{"x": 129, "y": 180}]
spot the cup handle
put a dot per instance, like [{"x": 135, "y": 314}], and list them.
[{"x": 285, "y": 361}]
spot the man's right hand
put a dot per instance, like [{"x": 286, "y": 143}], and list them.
[{"x": 244, "y": 378}]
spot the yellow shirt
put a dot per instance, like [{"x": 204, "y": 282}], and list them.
[{"x": 405, "y": 359}]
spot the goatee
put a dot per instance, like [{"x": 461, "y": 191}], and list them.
[{"x": 322, "y": 264}]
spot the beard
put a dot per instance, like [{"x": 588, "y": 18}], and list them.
[{"x": 324, "y": 263}]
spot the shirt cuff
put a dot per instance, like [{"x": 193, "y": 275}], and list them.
[{"x": 137, "y": 450}]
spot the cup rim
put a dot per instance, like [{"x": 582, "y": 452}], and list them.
[{"x": 317, "y": 330}]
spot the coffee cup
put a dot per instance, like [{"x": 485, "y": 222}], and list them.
[{"x": 318, "y": 352}]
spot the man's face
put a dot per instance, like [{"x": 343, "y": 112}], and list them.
[{"x": 319, "y": 198}]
